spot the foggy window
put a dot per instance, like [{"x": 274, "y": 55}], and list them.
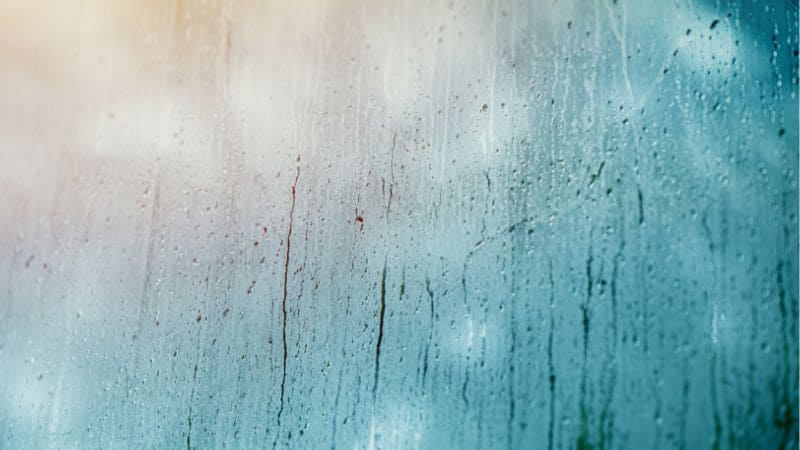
[{"x": 523, "y": 224}]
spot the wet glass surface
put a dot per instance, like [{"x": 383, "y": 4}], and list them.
[{"x": 419, "y": 224}]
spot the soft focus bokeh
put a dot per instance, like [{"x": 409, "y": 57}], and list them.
[{"x": 523, "y": 224}]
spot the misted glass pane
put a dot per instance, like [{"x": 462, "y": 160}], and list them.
[{"x": 523, "y": 224}]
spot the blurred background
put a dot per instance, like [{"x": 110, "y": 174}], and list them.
[{"x": 399, "y": 224}]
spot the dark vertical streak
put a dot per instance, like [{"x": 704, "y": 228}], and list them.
[
  {"x": 512, "y": 404},
  {"x": 194, "y": 388},
  {"x": 641, "y": 206},
  {"x": 391, "y": 175},
  {"x": 191, "y": 401},
  {"x": 585, "y": 306},
  {"x": 464, "y": 282},
  {"x": 486, "y": 203},
  {"x": 751, "y": 366},
  {"x": 583, "y": 437},
  {"x": 596, "y": 175},
  {"x": 430, "y": 331},
  {"x": 403, "y": 285},
  {"x": 606, "y": 416},
  {"x": 551, "y": 366},
  {"x": 382, "y": 311},
  {"x": 511, "y": 357},
  {"x": 285, "y": 291},
  {"x": 784, "y": 416},
  {"x": 684, "y": 410},
  {"x": 614, "y": 311},
  {"x": 336, "y": 411},
  {"x": 715, "y": 445},
  {"x": 464, "y": 390},
  {"x": 469, "y": 350},
  {"x": 380, "y": 333}
]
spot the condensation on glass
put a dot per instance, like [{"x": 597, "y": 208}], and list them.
[{"x": 413, "y": 224}]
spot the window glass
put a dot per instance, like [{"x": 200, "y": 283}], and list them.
[{"x": 399, "y": 224}]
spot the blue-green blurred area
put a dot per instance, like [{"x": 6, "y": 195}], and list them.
[{"x": 415, "y": 224}]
